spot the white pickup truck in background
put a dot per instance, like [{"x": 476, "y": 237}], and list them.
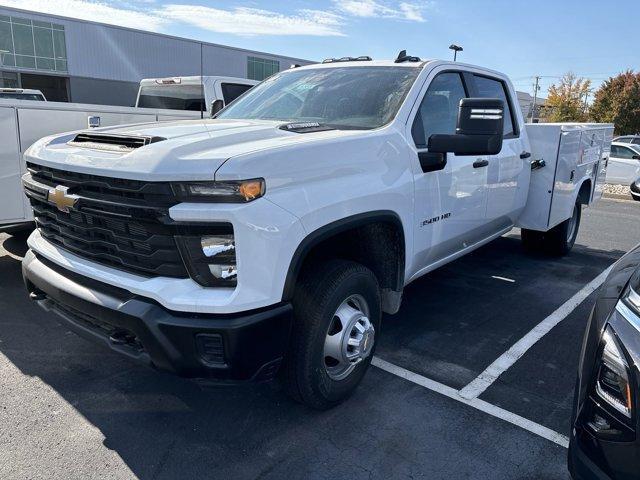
[
  {"x": 23, "y": 121},
  {"x": 269, "y": 240},
  {"x": 191, "y": 93},
  {"x": 22, "y": 94}
]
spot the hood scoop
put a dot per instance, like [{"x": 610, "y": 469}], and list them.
[{"x": 112, "y": 142}]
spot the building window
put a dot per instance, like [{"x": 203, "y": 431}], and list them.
[
  {"x": 8, "y": 80},
  {"x": 32, "y": 44},
  {"x": 261, "y": 68}
]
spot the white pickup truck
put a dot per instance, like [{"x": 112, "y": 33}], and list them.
[
  {"x": 191, "y": 93},
  {"x": 269, "y": 241}
]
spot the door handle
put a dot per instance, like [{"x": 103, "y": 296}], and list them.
[
  {"x": 480, "y": 163},
  {"x": 525, "y": 155}
]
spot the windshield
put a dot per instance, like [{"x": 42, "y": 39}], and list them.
[
  {"x": 22, "y": 96},
  {"x": 341, "y": 97},
  {"x": 172, "y": 97}
]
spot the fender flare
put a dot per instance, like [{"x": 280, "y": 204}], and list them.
[
  {"x": 329, "y": 230},
  {"x": 579, "y": 189}
]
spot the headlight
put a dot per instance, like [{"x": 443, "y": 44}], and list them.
[
  {"x": 241, "y": 191},
  {"x": 613, "y": 384},
  {"x": 210, "y": 259}
]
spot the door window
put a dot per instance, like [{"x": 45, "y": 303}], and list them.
[
  {"x": 492, "y": 88},
  {"x": 438, "y": 112},
  {"x": 231, "y": 91},
  {"x": 623, "y": 152}
]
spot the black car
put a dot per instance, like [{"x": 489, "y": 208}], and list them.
[
  {"x": 604, "y": 438},
  {"x": 635, "y": 190}
]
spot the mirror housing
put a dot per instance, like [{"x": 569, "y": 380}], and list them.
[
  {"x": 216, "y": 106},
  {"x": 635, "y": 157},
  {"x": 479, "y": 129}
]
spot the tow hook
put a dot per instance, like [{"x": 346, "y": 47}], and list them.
[{"x": 37, "y": 296}]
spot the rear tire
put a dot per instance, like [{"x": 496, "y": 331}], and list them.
[
  {"x": 532, "y": 240},
  {"x": 560, "y": 239},
  {"x": 336, "y": 321}
]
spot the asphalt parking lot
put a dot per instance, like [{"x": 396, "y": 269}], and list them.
[{"x": 69, "y": 409}]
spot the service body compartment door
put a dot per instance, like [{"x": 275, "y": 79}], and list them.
[
  {"x": 11, "y": 201},
  {"x": 569, "y": 169},
  {"x": 573, "y": 153},
  {"x": 545, "y": 143}
]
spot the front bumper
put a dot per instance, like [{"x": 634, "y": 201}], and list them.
[
  {"x": 220, "y": 347},
  {"x": 595, "y": 454}
]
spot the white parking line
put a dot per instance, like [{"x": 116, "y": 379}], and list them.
[
  {"x": 511, "y": 356},
  {"x": 476, "y": 403}
]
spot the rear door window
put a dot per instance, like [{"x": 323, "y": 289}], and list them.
[
  {"x": 231, "y": 91},
  {"x": 492, "y": 88}
]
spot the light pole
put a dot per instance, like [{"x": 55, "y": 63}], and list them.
[{"x": 456, "y": 49}]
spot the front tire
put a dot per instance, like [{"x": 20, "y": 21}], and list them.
[{"x": 337, "y": 317}]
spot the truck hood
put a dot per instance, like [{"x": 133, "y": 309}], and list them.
[{"x": 188, "y": 149}]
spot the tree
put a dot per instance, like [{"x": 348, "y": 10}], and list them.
[
  {"x": 566, "y": 102},
  {"x": 617, "y": 101}
]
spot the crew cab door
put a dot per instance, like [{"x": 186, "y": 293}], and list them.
[
  {"x": 507, "y": 172},
  {"x": 450, "y": 199}
]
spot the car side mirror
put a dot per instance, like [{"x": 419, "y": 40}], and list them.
[
  {"x": 636, "y": 157},
  {"x": 216, "y": 106},
  {"x": 479, "y": 129}
]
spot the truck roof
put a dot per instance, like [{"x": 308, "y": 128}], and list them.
[
  {"x": 24, "y": 91},
  {"x": 364, "y": 63},
  {"x": 405, "y": 64},
  {"x": 196, "y": 80}
]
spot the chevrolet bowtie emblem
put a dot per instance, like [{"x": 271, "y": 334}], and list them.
[{"x": 61, "y": 199}]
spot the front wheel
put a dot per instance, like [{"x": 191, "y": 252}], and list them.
[{"x": 336, "y": 321}]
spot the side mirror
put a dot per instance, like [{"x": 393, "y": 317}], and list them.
[
  {"x": 478, "y": 132},
  {"x": 636, "y": 157},
  {"x": 216, "y": 106}
]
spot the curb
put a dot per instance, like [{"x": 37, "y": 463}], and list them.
[{"x": 617, "y": 196}]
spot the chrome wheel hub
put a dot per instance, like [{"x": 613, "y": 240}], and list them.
[{"x": 349, "y": 339}]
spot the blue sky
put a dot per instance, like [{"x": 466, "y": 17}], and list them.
[{"x": 521, "y": 38}]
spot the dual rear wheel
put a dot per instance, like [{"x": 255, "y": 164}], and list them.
[{"x": 557, "y": 241}]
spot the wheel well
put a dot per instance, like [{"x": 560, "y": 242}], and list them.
[
  {"x": 584, "y": 195},
  {"x": 375, "y": 241}
]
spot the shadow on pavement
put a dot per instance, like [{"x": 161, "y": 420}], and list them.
[{"x": 166, "y": 427}]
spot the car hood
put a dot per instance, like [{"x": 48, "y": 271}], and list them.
[
  {"x": 182, "y": 150},
  {"x": 625, "y": 271}
]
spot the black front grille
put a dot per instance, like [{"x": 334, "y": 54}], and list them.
[{"x": 120, "y": 223}]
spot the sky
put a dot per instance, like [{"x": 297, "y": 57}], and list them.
[{"x": 547, "y": 38}]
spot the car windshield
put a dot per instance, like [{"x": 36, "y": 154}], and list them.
[{"x": 340, "y": 97}]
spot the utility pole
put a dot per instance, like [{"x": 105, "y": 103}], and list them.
[{"x": 535, "y": 98}]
